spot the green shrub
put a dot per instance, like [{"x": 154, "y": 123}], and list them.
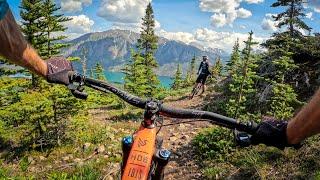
[
  {"x": 57, "y": 176},
  {"x": 212, "y": 172},
  {"x": 24, "y": 164},
  {"x": 214, "y": 143}
]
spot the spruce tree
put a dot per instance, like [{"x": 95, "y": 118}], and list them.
[
  {"x": 147, "y": 45},
  {"x": 231, "y": 65},
  {"x": 84, "y": 54},
  {"x": 135, "y": 76},
  {"x": 283, "y": 100},
  {"x": 177, "y": 81},
  {"x": 31, "y": 27},
  {"x": 242, "y": 82},
  {"x": 91, "y": 73},
  {"x": 52, "y": 22},
  {"x": 292, "y": 17},
  {"x": 290, "y": 40},
  {"x": 99, "y": 72},
  {"x": 190, "y": 77},
  {"x": 216, "y": 69}
]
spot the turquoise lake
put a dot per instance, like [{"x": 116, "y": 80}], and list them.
[{"x": 118, "y": 78}]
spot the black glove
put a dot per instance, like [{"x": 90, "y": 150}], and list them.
[
  {"x": 58, "y": 68},
  {"x": 272, "y": 132}
]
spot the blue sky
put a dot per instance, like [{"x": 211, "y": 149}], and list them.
[{"x": 211, "y": 23}]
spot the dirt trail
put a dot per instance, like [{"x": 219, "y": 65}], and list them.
[{"x": 177, "y": 139}]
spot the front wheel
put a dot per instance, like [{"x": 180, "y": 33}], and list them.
[
  {"x": 195, "y": 90},
  {"x": 156, "y": 173}
]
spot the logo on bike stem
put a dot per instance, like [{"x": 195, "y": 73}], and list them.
[{"x": 142, "y": 142}]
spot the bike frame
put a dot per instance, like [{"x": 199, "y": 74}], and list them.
[{"x": 140, "y": 157}]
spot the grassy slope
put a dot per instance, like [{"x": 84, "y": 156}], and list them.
[{"x": 103, "y": 128}]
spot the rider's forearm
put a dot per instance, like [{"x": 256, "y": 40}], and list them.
[
  {"x": 15, "y": 48},
  {"x": 306, "y": 123}
]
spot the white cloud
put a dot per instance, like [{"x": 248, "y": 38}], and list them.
[
  {"x": 243, "y": 13},
  {"x": 270, "y": 15},
  {"x": 254, "y": 1},
  {"x": 135, "y": 27},
  {"x": 225, "y": 12},
  {"x": 123, "y": 11},
  {"x": 74, "y": 5},
  {"x": 209, "y": 38},
  {"x": 309, "y": 15},
  {"x": 221, "y": 40},
  {"x": 316, "y": 5},
  {"x": 78, "y": 25},
  {"x": 313, "y": 4},
  {"x": 268, "y": 23},
  {"x": 218, "y": 20},
  {"x": 219, "y": 6},
  {"x": 177, "y": 36},
  {"x": 243, "y": 27}
]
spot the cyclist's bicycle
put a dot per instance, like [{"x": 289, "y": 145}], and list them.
[
  {"x": 143, "y": 155},
  {"x": 196, "y": 89}
]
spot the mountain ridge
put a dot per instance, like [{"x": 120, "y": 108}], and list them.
[{"x": 112, "y": 49}]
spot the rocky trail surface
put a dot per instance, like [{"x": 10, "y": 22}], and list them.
[{"x": 177, "y": 138}]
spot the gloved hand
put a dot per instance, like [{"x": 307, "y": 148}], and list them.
[
  {"x": 58, "y": 68},
  {"x": 272, "y": 132}
]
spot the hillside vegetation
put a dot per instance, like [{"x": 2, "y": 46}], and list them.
[{"x": 46, "y": 133}]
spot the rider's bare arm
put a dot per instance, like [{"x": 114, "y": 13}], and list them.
[
  {"x": 15, "y": 48},
  {"x": 283, "y": 134},
  {"x": 306, "y": 123}
]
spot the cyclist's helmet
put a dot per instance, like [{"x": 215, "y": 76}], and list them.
[{"x": 205, "y": 58}]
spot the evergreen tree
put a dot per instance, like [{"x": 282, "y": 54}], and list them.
[
  {"x": 31, "y": 27},
  {"x": 6, "y": 71},
  {"x": 242, "y": 82},
  {"x": 99, "y": 72},
  {"x": 177, "y": 81},
  {"x": 231, "y": 65},
  {"x": 292, "y": 17},
  {"x": 283, "y": 100},
  {"x": 190, "y": 77},
  {"x": 216, "y": 70},
  {"x": 135, "y": 76},
  {"x": 147, "y": 45},
  {"x": 290, "y": 40},
  {"x": 51, "y": 24},
  {"x": 84, "y": 54},
  {"x": 91, "y": 73}
]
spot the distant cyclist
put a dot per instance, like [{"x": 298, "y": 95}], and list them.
[{"x": 203, "y": 73}]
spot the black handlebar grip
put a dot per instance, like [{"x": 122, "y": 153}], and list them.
[
  {"x": 79, "y": 94},
  {"x": 252, "y": 127}
]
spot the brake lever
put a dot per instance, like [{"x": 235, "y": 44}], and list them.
[
  {"x": 78, "y": 91},
  {"x": 79, "y": 94},
  {"x": 242, "y": 139}
]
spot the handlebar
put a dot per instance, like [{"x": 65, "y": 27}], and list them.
[{"x": 164, "y": 110}]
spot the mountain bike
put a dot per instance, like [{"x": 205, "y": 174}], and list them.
[
  {"x": 143, "y": 155},
  {"x": 196, "y": 90}
]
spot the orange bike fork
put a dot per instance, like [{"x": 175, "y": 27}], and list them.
[{"x": 140, "y": 157}]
